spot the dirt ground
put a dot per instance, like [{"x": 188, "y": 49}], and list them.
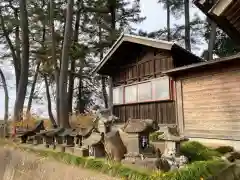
[{"x": 19, "y": 165}]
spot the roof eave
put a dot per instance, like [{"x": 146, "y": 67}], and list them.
[
  {"x": 132, "y": 39},
  {"x": 214, "y": 12},
  {"x": 219, "y": 7},
  {"x": 175, "y": 71},
  {"x": 108, "y": 55}
]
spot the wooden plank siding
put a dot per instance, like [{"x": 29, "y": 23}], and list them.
[
  {"x": 211, "y": 103},
  {"x": 148, "y": 65},
  {"x": 163, "y": 112}
]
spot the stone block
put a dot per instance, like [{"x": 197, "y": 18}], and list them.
[
  {"x": 69, "y": 150},
  {"x": 60, "y": 148},
  {"x": 159, "y": 145},
  {"x": 82, "y": 152},
  {"x": 132, "y": 143}
]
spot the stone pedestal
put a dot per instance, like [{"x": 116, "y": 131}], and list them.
[
  {"x": 82, "y": 152},
  {"x": 132, "y": 143},
  {"x": 58, "y": 140},
  {"x": 38, "y": 140},
  {"x": 60, "y": 148},
  {"x": 68, "y": 141},
  {"x": 48, "y": 141},
  {"x": 69, "y": 149},
  {"x": 96, "y": 151}
]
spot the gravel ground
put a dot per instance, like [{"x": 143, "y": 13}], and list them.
[{"x": 20, "y": 165}]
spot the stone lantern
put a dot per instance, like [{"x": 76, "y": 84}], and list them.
[{"x": 172, "y": 140}]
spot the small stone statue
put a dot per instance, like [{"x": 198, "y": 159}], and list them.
[
  {"x": 170, "y": 154},
  {"x": 174, "y": 165},
  {"x": 174, "y": 161},
  {"x": 183, "y": 160}
]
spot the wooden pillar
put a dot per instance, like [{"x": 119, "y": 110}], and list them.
[
  {"x": 110, "y": 98},
  {"x": 179, "y": 106}
]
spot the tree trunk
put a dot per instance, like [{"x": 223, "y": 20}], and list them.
[
  {"x": 80, "y": 104},
  {"x": 113, "y": 33},
  {"x": 18, "y": 51},
  {"x": 54, "y": 59},
  {"x": 168, "y": 22},
  {"x": 104, "y": 91},
  {"x": 212, "y": 40},
  {"x": 51, "y": 117},
  {"x": 71, "y": 76},
  {"x": 23, "y": 82},
  {"x": 187, "y": 26},
  {"x": 103, "y": 78},
  {"x": 33, "y": 89},
  {"x": 64, "y": 117},
  {"x": 6, "y": 101}
]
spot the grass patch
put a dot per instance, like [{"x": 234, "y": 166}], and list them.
[
  {"x": 194, "y": 171},
  {"x": 195, "y": 151}
]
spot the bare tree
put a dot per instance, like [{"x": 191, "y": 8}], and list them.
[{"x": 63, "y": 95}]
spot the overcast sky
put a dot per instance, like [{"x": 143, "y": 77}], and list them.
[{"x": 155, "y": 20}]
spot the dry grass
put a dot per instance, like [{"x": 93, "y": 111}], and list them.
[
  {"x": 81, "y": 120},
  {"x": 76, "y": 121},
  {"x": 29, "y": 121}
]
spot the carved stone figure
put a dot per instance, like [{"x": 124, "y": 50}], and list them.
[
  {"x": 175, "y": 161},
  {"x": 114, "y": 146},
  {"x": 183, "y": 160}
]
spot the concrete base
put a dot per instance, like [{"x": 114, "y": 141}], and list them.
[
  {"x": 82, "y": 152},
  {"x": 69, "y": 150},
  {"x": 60, "y": 148},
  {"x": 218, "y": 142}
]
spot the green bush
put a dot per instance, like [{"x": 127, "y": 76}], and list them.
[
  {"x": 195, "y": 171},
  {"x": 154, "y": 136},
  {"x": 195, "y": 151},
  {"x": 224, "y": 149}
]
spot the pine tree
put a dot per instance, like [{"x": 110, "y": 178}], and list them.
[
  {"x": 23, "y": 81},
  {"x": 173, "y": 7},
  {"x": 107, "y": 19}
]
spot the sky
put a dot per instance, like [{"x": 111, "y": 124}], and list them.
[
  {"x": 156, "y": 15},
  {"x": 155, "y": 19}
]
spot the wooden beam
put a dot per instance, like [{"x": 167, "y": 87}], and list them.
[
  {"x": 220, "y": 7},
  {"x": 234, "y": 17},
  {"x": 229, "y": 12},
  {"x": 179, "y": 105},
  {"x": 110, "y": 98}
]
